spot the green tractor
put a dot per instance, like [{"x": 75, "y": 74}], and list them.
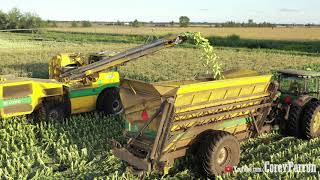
[{"x": 298, "y": 105}]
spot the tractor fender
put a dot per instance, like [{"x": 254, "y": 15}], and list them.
[{"x": 304, "y": 99}]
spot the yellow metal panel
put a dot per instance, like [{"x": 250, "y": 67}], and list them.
[
  {"x": 107, "y": 78},
  {"x": 83, "y": 104},
  {"x": 191, "y": 88},
  {"x": 205, "y": 104},
  {"x": 62, "y": 60},
  {"x": 1, "y": 97},
  {"x": 186, "y": 140},
  {"x": 38, "y": 92},
  {"x": 1, "y": 92}
]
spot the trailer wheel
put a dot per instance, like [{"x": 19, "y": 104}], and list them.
[
  {"x": 109, "y": 102},
  {"x": 219, "y": 150},
  {"x": 50, "y": 111},
  {"x": 294, "y": 122},
  {"x": 311, "y": 120}
]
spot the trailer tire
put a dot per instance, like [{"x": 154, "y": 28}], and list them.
[
  {"x": 50, "y": 111},
  {"x": 311, "y": 120},
  {"x": 194, "y": 147},
  {"x": 109, "y": 102},
  {"x": 218, "y": 150},
  {"x": 294, "y": 121}
]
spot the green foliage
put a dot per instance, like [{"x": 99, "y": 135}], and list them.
[
  {"x": 53, "y": 24},
  {"x": 184, "y": 21},
  {"x": 76, "y": 148},
  {"x": 29, "y": 20},
  {"x": 74, "y": 24},
  {"x": 234, "y": 40},
  {"x": 209, "y": 57},
  {"x": 79, "y": 149},
  {"x": 14, "y": 19},
  {"x": 86, "y": 24},
  {"x": 137, "y": 23},
  {"x": 287, "y": 45},
  {"x": 14, "y": 16},
  {"x": 234, "y": 37},
  {"x": 3, "y": 20},
  {"x": 95, "y": 37}
]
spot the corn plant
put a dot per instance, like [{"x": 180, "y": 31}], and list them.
[{"x": 208, "y": 56}]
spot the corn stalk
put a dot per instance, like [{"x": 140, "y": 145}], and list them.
[{"x": 208, "y": 56}]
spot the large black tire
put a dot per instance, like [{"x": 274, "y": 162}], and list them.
[
  {"x": 294, "y": 121},
  {"x": 218, "y": 150},
  {"x": 109, "y": 102},
  {"x": 194, "y": 148},
  {"x": 50, "y": 111},
  {"x": 311, "y": 120}
]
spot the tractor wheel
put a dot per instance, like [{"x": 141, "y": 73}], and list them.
[
  {"x": 294, "y": 122},
  {"x": 311, "y": 120},
  {"x": 109, "y": 102},
  {"x": 218, "y": 150},
  {"x": 50, "y": 111}
]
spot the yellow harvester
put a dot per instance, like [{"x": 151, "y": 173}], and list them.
[{"x": 75, "y": 86}]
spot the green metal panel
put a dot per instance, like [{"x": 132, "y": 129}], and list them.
[
  {"x": 90, "y": 91},
  {"x": 237, "y": 122},
  {"x": 134, "y": 129},
  {"x": 15, "y": 101}
]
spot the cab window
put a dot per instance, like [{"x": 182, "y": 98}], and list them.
[
  {"x": 312, "y": 85},
  {"x": 292, "y": 85}
]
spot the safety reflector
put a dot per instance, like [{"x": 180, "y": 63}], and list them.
[{"x": 144, "y": 115}]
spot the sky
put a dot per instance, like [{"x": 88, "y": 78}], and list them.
[{"x": 274, "y": 11}]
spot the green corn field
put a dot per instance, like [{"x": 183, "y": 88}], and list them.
[{"x": 79, "y": 148}]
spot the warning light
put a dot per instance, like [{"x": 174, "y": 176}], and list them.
[
  {"x": 144, "y": 115},
  {"x": 228, "y": 169},
  {"x": 287, "y": 100}
]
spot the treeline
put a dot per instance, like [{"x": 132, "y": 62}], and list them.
[
  {"x": 250, "y": 23},
  {"x": 15, "y": 19}
]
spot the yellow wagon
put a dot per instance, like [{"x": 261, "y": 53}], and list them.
[{"x": 166, "y": 119}]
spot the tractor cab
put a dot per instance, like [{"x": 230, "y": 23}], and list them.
[
  {"x": 298, "y": 108},
  {"x": 295, "y": 83}
]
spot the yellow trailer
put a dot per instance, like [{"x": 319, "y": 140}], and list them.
[{"x": 166, "y": 120}]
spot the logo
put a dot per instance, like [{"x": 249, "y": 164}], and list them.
[{"x": 273, "y": 168}]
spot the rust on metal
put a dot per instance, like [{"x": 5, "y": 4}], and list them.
[
  {"x": 53, "y": 91},
  {"x": 17, "y": 91},
  {"x": 124, "y": 155},
  {"x": 17, "y": 108}
]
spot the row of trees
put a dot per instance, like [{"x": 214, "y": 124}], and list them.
[
  {"x": 250, "y": 23},
  {"x": 15, "y": 19},
  {"x": 82, "y": 23},
  {"x": 184, "y": 21}
]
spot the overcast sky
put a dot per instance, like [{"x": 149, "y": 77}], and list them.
[{"x": 278, "y": 11}]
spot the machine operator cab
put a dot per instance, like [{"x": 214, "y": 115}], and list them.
[{"x": 295, "y": 83}]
